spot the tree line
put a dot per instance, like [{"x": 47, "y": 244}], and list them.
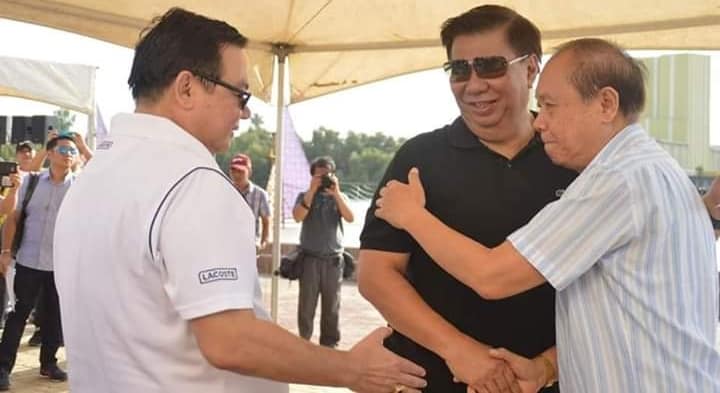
[{"x": 360, "y": 158}]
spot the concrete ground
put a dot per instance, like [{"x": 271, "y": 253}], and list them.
[{"x": 357, "y": 319}]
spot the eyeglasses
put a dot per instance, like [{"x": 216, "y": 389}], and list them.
[
  {"x": 66, "y": 150},
  {"x": 485, "y": 67},
  {"x": 242, "y": 95}
]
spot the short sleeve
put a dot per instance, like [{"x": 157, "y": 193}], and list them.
[
  {"x": 299, "y": 198},
  {"x": 377, "y": 234},
  {"x": 206, "y": 244},
  {"x": 595, "y": 216}
]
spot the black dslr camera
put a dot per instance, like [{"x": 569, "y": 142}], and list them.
[{"x": 326, "y": 181}]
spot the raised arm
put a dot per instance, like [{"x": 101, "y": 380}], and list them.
[{"x": 493, "y": 273}]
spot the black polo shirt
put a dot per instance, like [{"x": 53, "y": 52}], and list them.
[{"x": 486, "y": 197}]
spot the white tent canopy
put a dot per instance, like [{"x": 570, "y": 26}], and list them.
[
  {"x": 336, "y": 44},
  {"x": 70, "y": 86}
]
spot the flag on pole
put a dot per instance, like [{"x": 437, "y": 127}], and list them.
[{"x": 295, "y": 167}]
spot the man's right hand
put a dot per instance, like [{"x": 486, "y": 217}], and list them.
[
  {"x": 16, "y": 180},
  {"x": 471, "y": 363},
  {"x": 381, "y": 371}
]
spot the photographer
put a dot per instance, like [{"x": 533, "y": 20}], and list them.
[{"x": 321, "y": 209}]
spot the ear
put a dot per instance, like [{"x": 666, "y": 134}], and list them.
[
  {"x": 609, "y": 101},
  {"x": 183, "y": 89},
  {"x": 533, "y": 69}
]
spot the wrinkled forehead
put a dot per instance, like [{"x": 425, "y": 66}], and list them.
[{"x": 555, "y": 74}]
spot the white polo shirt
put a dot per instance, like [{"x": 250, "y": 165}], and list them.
[{"x": 152, "y": 236}]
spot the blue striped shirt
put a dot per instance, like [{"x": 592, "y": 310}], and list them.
[{"x": 630, "y": 249}]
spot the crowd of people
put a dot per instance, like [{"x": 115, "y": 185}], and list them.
[{"x": 509, "y": 251}]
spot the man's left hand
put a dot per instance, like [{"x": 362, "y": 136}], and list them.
[{"x": 400, "y": 202}]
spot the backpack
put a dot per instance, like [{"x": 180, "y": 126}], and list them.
[{"x": 20, "y": 226}]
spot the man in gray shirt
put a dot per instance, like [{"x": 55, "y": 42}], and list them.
[
  {"x": 34, "y": 259},
  {"x": 320, "y": 210}
]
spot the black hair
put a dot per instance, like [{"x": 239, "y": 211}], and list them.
[
  {"x": 322, "y": 162},
  {"x": 177, "y": 41},
  {"x": 522, "y": 35},
  {"x": 54, "y": 141}
]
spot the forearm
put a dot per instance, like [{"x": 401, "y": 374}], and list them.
[
  {"x": 301, "y": 210},
  {"x": 8, "y": 204},
  {"x": 38, "y": 161},
  {"x": 406, "y": 311},
  {"x": 264, "y": 229},
  {"x": 8, "y": 230},
  {"x": 343, "y": 208},
  {"x": 263, "y": 349},
  {"x": 85, "y": 152}
]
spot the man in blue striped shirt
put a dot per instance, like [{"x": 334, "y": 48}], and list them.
[{"x": 628, "y": 246}]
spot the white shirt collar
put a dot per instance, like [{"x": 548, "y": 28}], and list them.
[{"x": 157, "y": 129}]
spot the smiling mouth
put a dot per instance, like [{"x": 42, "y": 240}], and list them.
[{"x": 482, "y": 105}]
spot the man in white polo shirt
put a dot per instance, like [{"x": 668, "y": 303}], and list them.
[
  {"x": 158, "y": 281},
  {"x": 629, "y": 246}
]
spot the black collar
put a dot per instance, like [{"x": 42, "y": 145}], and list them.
[{"x": 460, "y": 136}]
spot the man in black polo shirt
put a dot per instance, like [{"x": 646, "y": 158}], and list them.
[{"x": 486, "y": 174}]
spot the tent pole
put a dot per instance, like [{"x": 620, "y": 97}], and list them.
[{"x": 281, "y": 55}]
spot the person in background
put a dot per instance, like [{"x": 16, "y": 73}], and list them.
[
  {"x": 321, "y": 210},
  {"x": 34, "y": 268},
  {"x": 255, "y": 196}
]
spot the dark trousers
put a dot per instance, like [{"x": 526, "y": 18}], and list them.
[
  {"x": 321, "y": 276},
  {"x": 29, "y": 284}
]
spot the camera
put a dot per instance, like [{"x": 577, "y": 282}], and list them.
[
  {"x": 6, "y": 169},
  {"x": 326, "y": 181}
]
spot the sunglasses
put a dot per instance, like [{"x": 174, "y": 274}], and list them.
[
  {"x": 485, "y": 67},
  {"x": 66, "y": 150},
  {"x": 242, "y": 95}
]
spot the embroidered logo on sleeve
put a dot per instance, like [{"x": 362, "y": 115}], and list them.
[{"x": 218, "y": 274}]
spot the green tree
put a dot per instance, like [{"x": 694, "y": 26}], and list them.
[
  {"x": 65, "y": 118},
  {"x": 368, "y": 165},
  {"x": 257, "y": 143},
  {"x": 360, "y": 158},
  {"x": 7, "y": 152}
]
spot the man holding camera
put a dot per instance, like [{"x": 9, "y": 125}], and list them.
[
  {"x": 321, "y": 209},
  {"x": 34, "y": 265}
]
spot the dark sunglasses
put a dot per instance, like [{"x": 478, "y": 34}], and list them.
[
  {"x": 485, "y": 67},
  {"x": 242, "y": 95}
]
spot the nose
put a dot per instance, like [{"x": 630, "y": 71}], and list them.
[
  {"x": 539, "y": 122},
  {"x": 245, "y": 112},
  {"x": 476, "y": 83}
]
